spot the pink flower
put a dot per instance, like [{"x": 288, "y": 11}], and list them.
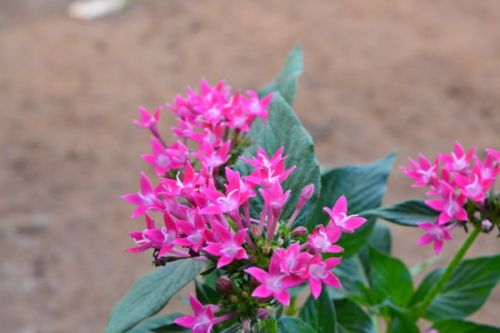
[
  {"x": 474, "y": 187},
  {"x": 268, "y": 170},
  {"x": 182, "y": 186},
  {"x": 174, "y": 157},
  {"x": 203, "y": 319},
  {"x": 145, "y": 199},
  {"x": 323, "y": 240},
  {"x": 450, "y": 205},
  {"x": 274, "y": 196},
  {"x": 228, "y": 245},
  {"x": 195, "y": 233},
  {"x": 292, "y": 261},
  {"x": 161, "y": 239},
  {"x": 212, "y": 158},
  {"x": 319, "y": 272},
  {"x": 258, "y": 107},
  {"x": 220, "y": 203},
  {"x": 458, "y": 160},
  {"x": 340, "y": 219},
  {"x": 146, "y": 120},
  {"x": 423, "y": 172},
  {"x": 434, "y": 233},
  {"x": 273, "y": 283}
]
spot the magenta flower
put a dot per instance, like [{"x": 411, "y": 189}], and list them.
[
  {"x": 474, "y": 187},
  {"x": 424, "y": 172},
  {"x": 340, "y": 219},
  {"x": 320, "y": 272},
  {"x": 258, "y": 107},
  {"x": 273, "y": 283},
  {"x": 458, "y": 160},
  {"x": 323, "y": 239},
  {"x": 434, "y": 233},
  {"x": 292, "y": 261},
  {"x": 211, "y": 157},
  {"x": 267, "y": 170},
  {"x": 203, "y": 319},
  {"x": 174, "y": 157},
  {"x": 228, "y": 245},
  {"x": 161, "y": 239},
  {"x": 146, "y": 199},
  {"x": 450, "y": 205},
  {"x": 146, "y": 120},
  {"x": 195, "y": 233},
  {"x": 220, "y": 203},
  {"x": 274, "y": 196}
]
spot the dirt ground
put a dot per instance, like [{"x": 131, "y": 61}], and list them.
[{"x": 380, "y": 75}]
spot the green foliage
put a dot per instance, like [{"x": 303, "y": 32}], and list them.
[
  {"x": 283, "y": 128},
  {"x": 160, "y": 324},
  {"x": 406, "y": 213},
  {"x": 465, "y": 292},
  {"x": 206, "y": 294},
  {"x": 364, "y": 186},
  {"x": 150, "y": 294},
  {"x": 462, "y": 326},
  {"x": 351, "y": 318},
  {"x": 294, "y": 325},
  {"x": 400, "y": 323},
  {"x": 286, "y": 81},
  {"x": 320, "y": 313}
]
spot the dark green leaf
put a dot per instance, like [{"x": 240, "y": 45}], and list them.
[
  {"x": 286, "y": 81},
  {"x": 407, "y": 213},
  {"x": 161, "y": 324},
  {"x": 354, "y": 279},
  {"x": 389, "y": 279},
  {"x": 381, "y": 238},
  {"x": 465, "y": 292},
  {"x": 400, "y": 323},
  {"x": 462, "y": 326},
  {"x": 283, "y": 128},
  {"x": 206, "y": 294},
  {"x": 364, "y": 186},
  {"x": 320, "y": 313},
  {"x": 351, "y": 318},
  {"x": 150, "y": 294},
  {"x": 294, "y": 325}
]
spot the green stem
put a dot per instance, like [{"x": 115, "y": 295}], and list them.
[
  {"x": 376, "y": 323},
  {"x": 450, "y": 269}
]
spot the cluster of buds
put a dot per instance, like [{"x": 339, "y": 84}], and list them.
[
  {"x": 205, "y": 206},
  {"x": 462, "y": 187}
]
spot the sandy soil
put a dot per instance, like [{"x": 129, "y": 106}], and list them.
[{"x": 411, "y": 75}]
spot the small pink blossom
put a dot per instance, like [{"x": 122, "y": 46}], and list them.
[
  {"x": 268, "y": 171},
  {"x": 323, "y": 239},
  {"x": 203, "y": 319},
  {"x": 228, "y": 245},
  {"x": 319, "y": 272},
  {"x": 435, "y": 233},
  {"x": 450, "y": 205},
  {"x": 195, "y": 234},
  {"x": 146, "y": 199},
  {"x": 174, "y": 157},
  {"x": 458, "y": 160},
  {"x": 212, "y": 157},
  {"x": 161, "y": 239},
  {"x": 258, "y": 107},
  {"x": 340, "y": 219},
  {"x": 146, "y": 120},
  {"x": 424, "y": 172},
  {"x": 292, "y": 261},
  {"x": 273, "y": 283},
  {"x": 274, "y": 196}
]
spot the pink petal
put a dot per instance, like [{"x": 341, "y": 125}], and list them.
[
  {"x": 213, "y": 249},
  {"x": 196, "y": 305},
  {"x": 259, "y": 274},
  {"x": 340, "y": 206},
  {"x": 332, "y": 280},
  {"x": 425, "y": 239},
  {"x": 283, "y": 297},
  {"x": 132, "y": 198},
  {"x": 438, "y": 246},
  {"x": 354, "y": 223},
  {"x": 145, "y": 184},
  {"x": 261, "y": 292},
  {"x": 186, "y": 321},
  {"x": 316, "y": 287},
  {"x": 223, "y": 261}
]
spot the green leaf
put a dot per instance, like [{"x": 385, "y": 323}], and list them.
[
  {"x": 206, "y": 294},
  {"x": 381, "y": 238},
  {"x": 286, "y": 81},
  {"x": 354, "y": 279},
  {"x": 407, "y": 213},
  {"x": 150, "y": 294},
  {"x": 351, "y": 318},
  {"x": 465, "y": 292},
  {"x": 400, "y": 323},
  {"x": 283, "y": 128},
  {"x": 320, "y": 313},
  {"x": 364, "y": 186},
  {"x": 161, "y": 324},
  {"x": 462, "y": 326},
  {"x": 294, "y": 325},
  {"x": 389, "y": 279}
]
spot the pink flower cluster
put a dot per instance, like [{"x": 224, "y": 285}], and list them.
[
  {"x": 205, "y": 206},
  {"x": 456, "y": 181}
]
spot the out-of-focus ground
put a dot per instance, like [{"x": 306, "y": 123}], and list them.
[{"x": 380, "y": 75}]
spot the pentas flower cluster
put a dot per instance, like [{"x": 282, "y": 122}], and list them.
[
  {"x": 205, "y": 204},
  {"x": 462, "y": 189}
]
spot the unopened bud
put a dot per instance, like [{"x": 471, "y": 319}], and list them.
[
  {"x": 263, "y": 313},
  {"x": 477, "y": 215},
  {"x": 305, "y": 195},
  {"x": 224, "y": 285},
  {"x": 299, "y": 231},
  {"x": 245, "y": 325},
  {"x": 486, "y": 225},
  {"x": 255, "y": 230},
  {"x": 234, "y": 299}
]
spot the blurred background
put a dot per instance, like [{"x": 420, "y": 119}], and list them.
[{"x": 379, "y": 75}]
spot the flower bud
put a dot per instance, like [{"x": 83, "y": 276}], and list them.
[
  {"x": 245, "y": 325},
  {"x": 299, "y": 231},
  {"x": 305, "y": 195},
  {"x": 255, "y": 230},
  {"x": 224, "y": 285},
  {"x": 263, "y": 313},
  {"x": 486, "y": 225}
]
